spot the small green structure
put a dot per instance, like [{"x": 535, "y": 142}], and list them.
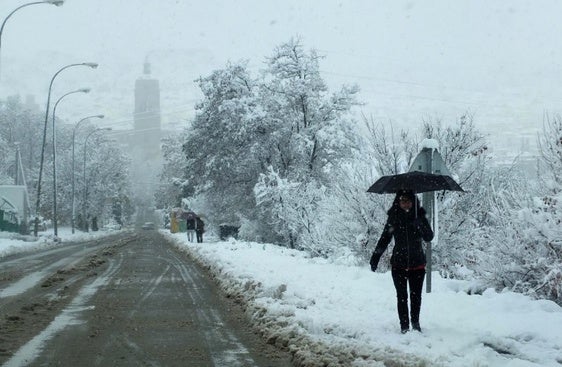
[
  {"x": 14, "y": 208},
  {"x": 8, "y": 216},
  {"x": 177, "y": 223}
]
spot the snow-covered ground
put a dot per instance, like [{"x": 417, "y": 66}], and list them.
[
  {"x": 12, "y": 243},
  {"x": 329, "y": 311}
]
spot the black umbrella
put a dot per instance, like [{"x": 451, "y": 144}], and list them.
[
  {"x": 415, "y": 181},
  {"x": 187, "y": 214}
]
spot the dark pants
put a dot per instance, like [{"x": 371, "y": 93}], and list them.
[
  {"x": 199, "y": 236},
  {"x": 401, "y": 280}
]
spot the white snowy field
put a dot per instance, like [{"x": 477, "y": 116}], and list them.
[{"x": 331, "y": 312}]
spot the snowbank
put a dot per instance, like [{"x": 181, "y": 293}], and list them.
[
  {"x": 330, "y": 314},
  {"x": 13, "y": 243}
]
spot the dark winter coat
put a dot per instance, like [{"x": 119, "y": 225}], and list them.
[
  {"x": 200, "y": 227},
  {"x": 190, "y": 224},
  {"x": 408, "y": 232}
]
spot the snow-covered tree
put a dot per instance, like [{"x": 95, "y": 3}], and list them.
[
  {"x": 550, "y": 145},
  {"x": 506, "y": 229},
  {"x": 294, "y": 210},
  {"x": 283, "y": 121},
  {"x": 172, "y": 186},
  {"x": 107, "y": 179},
  {"x": 311, "y": 134},
  {"x": 312, "y": 130},
  {"x": 221, "y": 148},
  {"x": 530, "y": 231},
  {"x": 465, "y": 152},
  {"x": 388, "y": 151},
  {"x": 20, "y": 124},
  {"x": 354, "y": 218}
]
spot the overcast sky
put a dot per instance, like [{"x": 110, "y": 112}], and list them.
[{"x": 413, "y": 60}]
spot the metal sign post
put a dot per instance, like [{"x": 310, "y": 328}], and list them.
[{"x": 429, "y": 160}]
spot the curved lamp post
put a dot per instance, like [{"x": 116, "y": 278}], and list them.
[
  {"x": 55, "y": 226},
  {"x": 73, "y": 174},
  {"x": 84, "y": 203},
  {"x": 38, "y": 201},
  {"x": 52, "y": 2}
]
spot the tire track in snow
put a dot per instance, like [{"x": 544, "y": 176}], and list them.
[
  {"x": 69, "y": 316},
  {"x": 225, "y": 348}
]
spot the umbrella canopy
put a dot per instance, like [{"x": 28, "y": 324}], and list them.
[
  {"x": 187, "y": 214},
  {"x": 415, "y": 181}
]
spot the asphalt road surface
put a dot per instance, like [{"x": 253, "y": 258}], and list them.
[{"x": 126, "y": 300}]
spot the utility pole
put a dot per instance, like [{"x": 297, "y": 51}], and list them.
[
  {"x": 429, "y": 160},
  {"x": 17, "y": 165}
]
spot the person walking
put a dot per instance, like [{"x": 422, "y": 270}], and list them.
[
  {"x": 408, "y": 225},
  {"x": 199, "y": 229},
  {"x": 190, "y": 225}
]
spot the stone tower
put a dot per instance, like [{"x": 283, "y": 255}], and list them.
[
  {"x": 145, "y": 149},
  {"x": 147, "y": 123}
]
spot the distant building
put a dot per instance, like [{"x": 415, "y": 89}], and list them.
[
  {"x": 30, "y": 103},
  {"x": 526, "y": 159},
  {"x": 145, "y": 142},
  {"x": 147, "y": 121},
  {"x": 14, "y": 207}
]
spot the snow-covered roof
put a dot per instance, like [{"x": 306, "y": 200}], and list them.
[
  {"x": 6, "y": 205},
  {"x": 16, "y": 195},
  {"x": 430, "y": 144}
]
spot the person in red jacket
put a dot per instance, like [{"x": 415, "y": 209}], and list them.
[{"x": 408, "y": 226}]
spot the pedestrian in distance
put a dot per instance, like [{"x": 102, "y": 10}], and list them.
[
  {"x": 408, "y": 226},
  {"x": 190, "y": 225},
  {"x": 199, "y": 229}
]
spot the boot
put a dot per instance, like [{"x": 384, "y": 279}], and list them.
[{"x": 416, "y": 326}]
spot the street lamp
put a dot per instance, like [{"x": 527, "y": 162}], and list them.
[
  {"x": 82, "y": 90},
  {"x": 73, "y": 174},
  {"x": 52, "y": 2},
  {"x": 84, "y": 203},
  {"x": 38, "y": 201}
]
